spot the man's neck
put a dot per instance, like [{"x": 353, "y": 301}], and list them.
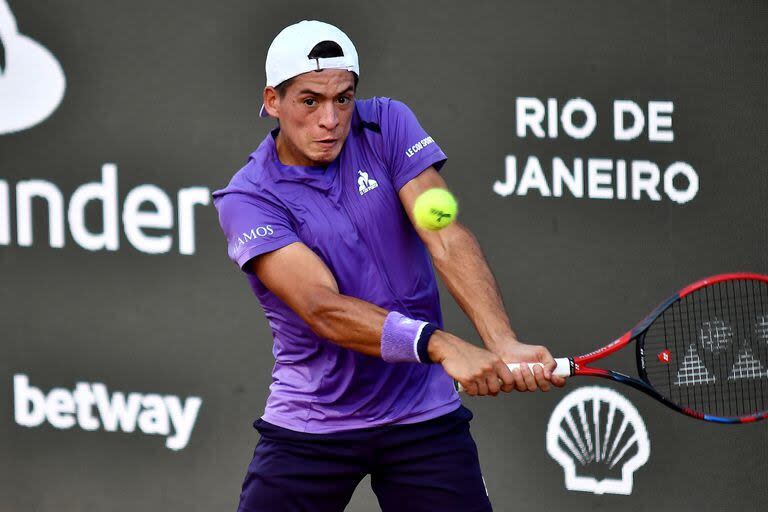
[{"x": 289, "y": 155}]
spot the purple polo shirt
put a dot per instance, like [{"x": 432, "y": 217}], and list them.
[{"x": 350, "y": 215}]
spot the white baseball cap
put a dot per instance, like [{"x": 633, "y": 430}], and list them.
[{"x": 288, "y": 55}]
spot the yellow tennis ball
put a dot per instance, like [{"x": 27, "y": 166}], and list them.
[{"x": 435, "y": 209}]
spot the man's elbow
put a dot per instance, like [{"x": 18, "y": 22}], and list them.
[
  {"x": 322, "y": 313},
  {"x": 448, "y": 242}
]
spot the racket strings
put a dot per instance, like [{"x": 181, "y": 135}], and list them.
[{"x": 709, "y": 350}]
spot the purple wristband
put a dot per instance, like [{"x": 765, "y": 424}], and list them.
[{"x": 399, "y": 338}]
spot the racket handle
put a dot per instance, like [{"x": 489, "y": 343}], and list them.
[{"x": 563, "y": 369}]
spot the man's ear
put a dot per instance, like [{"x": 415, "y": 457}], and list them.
[{"x": 271, "y": 101}]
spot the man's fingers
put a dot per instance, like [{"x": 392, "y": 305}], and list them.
[
  {"x": 482, "y": 387},
  {"x": 541, "y": 379},
  {"x": 549, "y": 368},
  {"x": 557, "y": 381},
  {"x": 494, "y": 384},
  {"x": 520, "y": 384},
  {"x": 470, "y": 388},
  {"x": 505, "y": 374},
  {"x": 530, "y": 381}
]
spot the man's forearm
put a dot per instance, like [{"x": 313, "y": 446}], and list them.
[
  {"x": 463, "y": 268},
  {"x": 347, "y": 321},
  {"x": 357, "y": 325}
]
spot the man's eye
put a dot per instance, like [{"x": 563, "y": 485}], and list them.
[
  {"x": 309, "y": 102},
  {"x": 344, "y": 100}
]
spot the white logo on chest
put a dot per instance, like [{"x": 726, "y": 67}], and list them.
[{"x": 364, "y": 183}]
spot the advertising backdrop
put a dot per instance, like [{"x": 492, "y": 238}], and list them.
[{"x": 605, "y": 154}]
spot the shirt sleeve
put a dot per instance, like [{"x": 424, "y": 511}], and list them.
[
  {"x": 253, "y": 226},
  {"x": 407, "y": 145}
]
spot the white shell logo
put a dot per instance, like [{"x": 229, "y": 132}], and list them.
[
  {"x": 599, "y": 439},
  {"x": 32, "y": 82}
]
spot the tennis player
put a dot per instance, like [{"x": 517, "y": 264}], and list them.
[{"x": 319, "y": 219}]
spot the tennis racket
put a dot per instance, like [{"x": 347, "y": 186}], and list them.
[{"x": 702, "y": 352}]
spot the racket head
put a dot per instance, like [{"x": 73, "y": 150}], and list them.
[{"x": 704, "y": 351}]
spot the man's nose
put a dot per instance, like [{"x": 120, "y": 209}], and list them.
[{"x": 329, "y": 118}]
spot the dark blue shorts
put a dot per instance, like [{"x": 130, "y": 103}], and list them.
[{"x": 425, "y": 466}]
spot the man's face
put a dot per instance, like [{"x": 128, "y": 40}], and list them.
[{"x": 315, "y": 115}]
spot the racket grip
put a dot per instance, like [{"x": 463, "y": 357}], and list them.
[{"x": 563, "y": 369}]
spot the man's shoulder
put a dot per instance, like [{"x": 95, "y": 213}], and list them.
[
  {"x": 251, "y": 179},
  {"x": 378, "y": 109},
  {"x": 370, "y": 109}
]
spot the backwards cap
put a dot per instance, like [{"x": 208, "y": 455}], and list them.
[{"x": 288, "y": 55}]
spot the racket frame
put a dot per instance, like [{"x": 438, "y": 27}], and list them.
[{"x": 579, "y": 364}]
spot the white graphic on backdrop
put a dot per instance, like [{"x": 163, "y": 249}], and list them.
[
  {"x": 601, "y": 178},
  {"x": 147, "y": 214},
  {"x": 32, "y": 85},
  {"x": 599, "y": 439},
  {"x": 153, "y": 414},
  {"x": 32, "y": 82}
]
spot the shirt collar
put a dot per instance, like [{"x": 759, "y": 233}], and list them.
[{"x": 313, "y": 176}]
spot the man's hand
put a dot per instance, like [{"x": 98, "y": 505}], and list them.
[
  {"x": 512, "y": 351},
  {"x": 479, "y": 371}
]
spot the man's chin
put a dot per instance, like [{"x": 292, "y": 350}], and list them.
[{"x": 324, "y": 158}]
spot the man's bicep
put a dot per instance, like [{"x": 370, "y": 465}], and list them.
[
  {"x": 296, "y": 275},
  {"x": 429, "y": 178},
  {"x": 253, "y": 226}
]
